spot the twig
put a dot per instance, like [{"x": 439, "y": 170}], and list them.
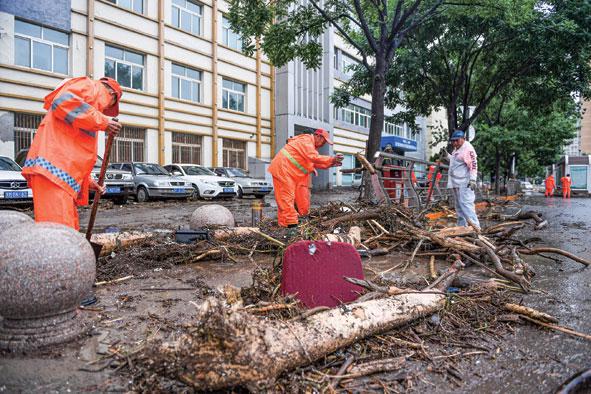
[
  {"x": 432, "y": 270},
  {"x": 412, "y": 257},
  {"x": 557, "y": 328},
  {"x": 335, "y": 382},
  {"x": 108, "y": 282},
  {"x": 167, "y": 288},
  {"x": 534, "y": 314},
  {"x": 555, "y": 251},
  {"x": 269, "y": 238}
]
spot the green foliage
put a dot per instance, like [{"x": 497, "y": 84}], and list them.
[{"x": 535, "y": 136}]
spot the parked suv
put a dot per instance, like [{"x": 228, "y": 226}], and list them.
[
  {"x": 13, "y": 186},
  {"x": 246, "y": 185},
  {"x": 207, "y": 184},
  {"x": 153, "y": 181},
  {"x": 119, "y": 183}
]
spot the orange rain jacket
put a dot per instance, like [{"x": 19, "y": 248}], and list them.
[
  {"x": 550, "y": 183},
  {"x": 64, "y": 148},
  {"x": 566, "y": 182},
  {"x": 291, "y": 169}
]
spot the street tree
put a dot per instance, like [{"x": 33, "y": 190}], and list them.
[
  {"x": 513, "y": 133},
  {"x": 290, "y": 29},
  {"x": 463, "y": 58}
]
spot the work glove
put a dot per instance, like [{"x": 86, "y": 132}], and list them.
[
  {"x": 336, "y": 162},
  {"x": 472, "y": 185}
]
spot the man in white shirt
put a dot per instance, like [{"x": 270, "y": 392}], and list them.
[{"x": 463, "y": 170}]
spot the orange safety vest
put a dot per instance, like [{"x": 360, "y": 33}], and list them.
[
  {"x": 550, "y": 184},
  {"x": 566, "y": 181},
  {"x": 299, "y": 157},
  {"x": 64, "y": 148}
]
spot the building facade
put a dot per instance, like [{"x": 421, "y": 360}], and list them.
[
  {"x": 303, "y": 104},
  {"x": 190, "y": 94}
]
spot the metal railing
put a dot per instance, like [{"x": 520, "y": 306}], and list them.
[{"x": 412, "y": 182}]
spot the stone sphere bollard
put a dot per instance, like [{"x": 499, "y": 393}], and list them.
[
  {"x": 10, "y": 219},
  {"x": 46, "y": 269},
  {"x": 211, "y": 215}
]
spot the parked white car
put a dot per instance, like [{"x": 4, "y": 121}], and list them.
[
  {"x": 13, "y": 186},
  {"x": 207, "y": 184}
]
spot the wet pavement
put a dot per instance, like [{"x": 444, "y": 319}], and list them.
[{"x": 532, "y": 360}]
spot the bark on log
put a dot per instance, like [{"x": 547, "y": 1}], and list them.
[
  {"x": 555, "y": 251},
  {"x": 221, "y": 235},
  {"x": 240, "y": 349},
  {"x": 112, "y": 241},
  {"x": 457, "y": 231},
  {"x": 366, "y": 164},
  {"x": 231, "y": 348},
  {"x": 352, "y": 238}
]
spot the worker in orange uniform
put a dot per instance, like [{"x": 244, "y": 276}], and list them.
[
  {"x": 291, "y": 169},
  {"x": 566, "y": 182},
  {"x": 63, "y": 152},
  {"x": 430, "y": 181},
  {"x": 550, "y": 186}
]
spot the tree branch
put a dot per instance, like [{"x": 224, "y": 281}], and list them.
[{"x": 365, "y": 27}]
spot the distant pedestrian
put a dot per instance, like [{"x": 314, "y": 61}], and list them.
[
  {"x": 463, "y": 171},
  {"x": 550, "y": 186},
  {"x": 566, "y": 182}
]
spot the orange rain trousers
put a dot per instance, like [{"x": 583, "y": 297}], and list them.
[
  {"x": 291, "y": 181},
  {"x": 565, "y": 187},
  {"x": 52, "y": 203}
]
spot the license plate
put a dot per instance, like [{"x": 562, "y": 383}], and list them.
[
  {"x": 178, "y": 190},
  {"x": 228, "y": 190},
  {"x": 16, "y": 194},
  {"x": 113, "y": 190}
]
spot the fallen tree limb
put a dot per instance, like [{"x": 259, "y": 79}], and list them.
[
  {"x": 375, "y": 366},
  {"x": 352, "y": 238},
  {"x": 233, "y": 348},
  {"x": 366, "y": 164},
  {"x": 353, "y": 217},
  {"x": 534, "y": 314},
  {"x": 520, "y": 280},
  {"x": 112, "y": 241},
  {"x": 564, "y": 253},
  {"x": 557, "y": 328}
]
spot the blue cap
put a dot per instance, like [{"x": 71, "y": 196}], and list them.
[{"x": 457, "y": 135}]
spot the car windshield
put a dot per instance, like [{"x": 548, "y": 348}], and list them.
[
  {"x": 236, "y": 172},
  {"x": 149, "y": 169},
  {"x": 7, "y": 164},
  {"x": 196, "y": 170}
]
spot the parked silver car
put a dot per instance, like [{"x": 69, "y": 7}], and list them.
[
  {"x": 247, "y": 185},
  {"x": 153, "y": 181},
  {"x": 119, "y": 183}
]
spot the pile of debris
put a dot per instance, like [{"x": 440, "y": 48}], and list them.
[{"x": 256, "y": 338}]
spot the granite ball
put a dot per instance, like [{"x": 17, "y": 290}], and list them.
[
  {"x": 11, "y": 219},
  {"x": 46, "y": 269},
  {"x": 211, "y": 215}
]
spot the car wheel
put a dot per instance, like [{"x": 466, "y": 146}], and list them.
[
  {"x": 142, "y": 194},
  {"x": 240, "y": 194},
  {"x": 196, "y": 195}
]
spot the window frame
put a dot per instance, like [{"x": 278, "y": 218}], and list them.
[
  {"x": 129, "y": 63},
  {"x": 227, "y": 32},
  {"x": 199, "y": 82},
  {"x": 231, "y": 150},
  {"x": 357, "y": 113},
  {"x": 41, "y": 40},
  {"x": 192, "y": 13},
  {"x": 229, "y": 91},
  {"x": 142, "y": 2},
  {"x": 196, "y": 147}
]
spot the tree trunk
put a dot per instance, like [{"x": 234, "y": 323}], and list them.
[
  {"x": 240, "y": 349},
  {"x": 452, "y": 118},
  {"x": 378, "y": 91}
]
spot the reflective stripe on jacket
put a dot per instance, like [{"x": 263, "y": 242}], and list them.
[{"x": 64, "y": 147}]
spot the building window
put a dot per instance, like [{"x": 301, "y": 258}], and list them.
[
  {"x": 186, "y": 83},
  {"x": 187, "y": 15},
  {"x": 186, "y": 148},
  {"x": 40, "y": 47},
  {"x": 229, "y": 37},
  {"x": 25, "y": 127},
  {"x": 129, "y": 145},
  {"x": 356, "y": 115},
  {"x": 344, "y": 63},
  {"x": 393, "y": 129},
  {"x": 234, "y": 153},
  {"x": 233, "y": 94},
  {"x": 124, "y": 66},
  {"x": 134, "y": 5}
]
